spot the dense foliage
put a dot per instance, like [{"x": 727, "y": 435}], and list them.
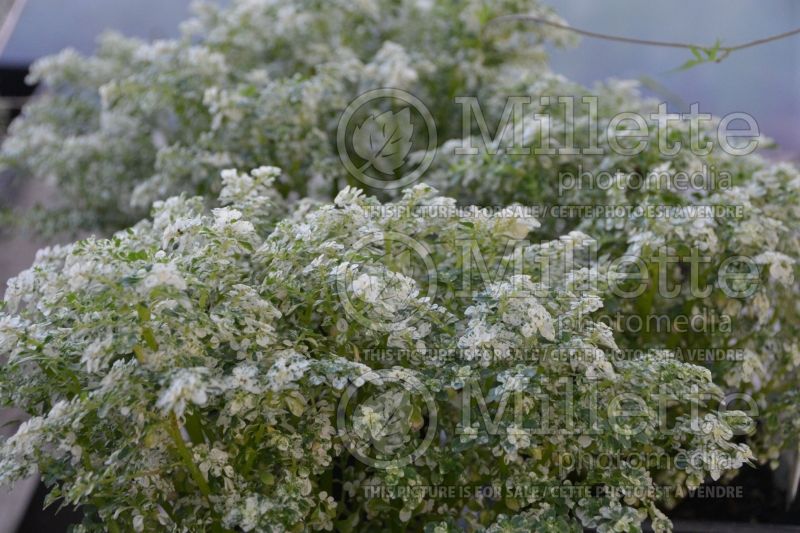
[
  {"x": 683, "y": 226},
  {"x": 253, "y": 82},
  {"x": 186, "y": 373}
]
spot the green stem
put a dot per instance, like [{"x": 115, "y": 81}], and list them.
[{"x": 175, "y": 431}]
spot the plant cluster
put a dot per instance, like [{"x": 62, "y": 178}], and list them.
[
  {"x": 213, "y": 366},
  {"x": 709, "y": 238},
  {"x": 187, "y": 373},
  {"x": 248, "y": 83}
]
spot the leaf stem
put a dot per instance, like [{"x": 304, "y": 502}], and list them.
[{"x": 175, "y": 431}]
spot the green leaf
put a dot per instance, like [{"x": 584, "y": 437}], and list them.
[
  {"x": 296, "y": 403},
  {"x": 703, "y": 55},
  {"x": 267, "y": 478},
  {"x": 348, "y": 524},
  {"x": 143, "y": 312},
  {"x": 194, "y": 427},
  {"x": 149, "y": 338},
  {"x": 689, "y": 64},
  {"x": 714, "y": 50}
]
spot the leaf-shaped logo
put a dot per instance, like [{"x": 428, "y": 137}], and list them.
[
  {"x": 384, "y": 141},
  {"x": 383, "y": 426},
  {"x": 388, "y": 428}
]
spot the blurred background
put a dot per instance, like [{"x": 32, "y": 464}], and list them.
[{"x": 763, "y": 81}]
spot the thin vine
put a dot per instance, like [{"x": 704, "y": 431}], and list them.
[{"x": 702, "y": 54}]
